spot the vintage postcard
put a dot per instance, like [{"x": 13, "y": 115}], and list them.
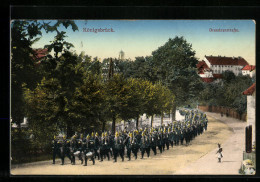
[{"x": 132, "y": 97}]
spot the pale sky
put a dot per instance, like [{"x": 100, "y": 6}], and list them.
[{"x": 141, "y": 37}]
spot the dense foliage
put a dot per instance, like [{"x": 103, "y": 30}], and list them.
[
  {"x": 65, "y": 92},
  {"x": 227, "y": 92}
]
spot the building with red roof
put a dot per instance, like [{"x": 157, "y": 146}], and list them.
[
  {"x": 248, "y": 70},
  {"x": 250, "y": 93},
  {"x": 39, "y": 54},
  {"x": 250, "y": 90},
  {"x": 214, "y": 66}
]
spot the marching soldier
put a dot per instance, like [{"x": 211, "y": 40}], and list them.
[
  {"x": 73, "y": 149},
  {"x": 181, "y": 136},
  {"x": 171, "y": 136},
  {"x": 88, "y": 150},
  {"x": 111, "y": 144},
  {"x": 144, "y": 145},
  {"x": 166, "y": 138},
  {"x": 104, "y": 148},
  {"x": 97, "y": 145},
  {"x": 160, "y": 140},
  {"x": 77, "y": 149},
  {"x": 65, "y": 149},
  {"x": 129, "y": 144},
  {"x": 118, "y": 147},
  {"x": 55, "y": 147},
  {"x": 153, "y": 143},
  {"x": 135, "y": 144}
]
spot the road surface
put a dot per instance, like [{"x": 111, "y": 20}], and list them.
[{"x": 196, "y": 158}]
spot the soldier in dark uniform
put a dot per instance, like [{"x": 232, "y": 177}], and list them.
[
  {"x": 206, "y": 124},
  {"x": 160, "y": 140},
  {"x": 65, "y": 149},
  {"x": 104, "y": 148},
  {"x": 181, "y": 136},
  {"x": 56, "y": 148},
  {"x": 170, "y": 134},
  {"x": 78, "y": 149},
  {"x": 111, "y": 144},
  {"x": 167, "y": 139},
  {"x": 73, "y": 149},
  {"x": 144, "y": 145},
  {"x": 135, "y": 144},
  {"x": 187, "y": 135},
  {"x": 153, "y": 140},
  {"x": 129, "y": 144},
  {"x": 97, "y": 145},
  {"x": 88, "y": 150},
  {"x": 118, "y": 147},
  {"x": 176, "y": 137}
]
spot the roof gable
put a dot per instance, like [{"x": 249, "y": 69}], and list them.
[
  {"x": 249, "y": 68},
  {"x": 250, "y": 90},
  {"x": 218, "y": 60}
]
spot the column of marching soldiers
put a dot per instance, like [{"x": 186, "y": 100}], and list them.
[{"x": 89, "y": 147}]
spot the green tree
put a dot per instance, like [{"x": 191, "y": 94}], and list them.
[
  {"x": 23, "y": 70},
  {"x": 175, "y": 64},
  {"x": 87, "y": 104},
  {"x": 116, "y": 97}
]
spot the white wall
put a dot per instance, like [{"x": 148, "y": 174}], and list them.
[{"x": 251, "y": 114}]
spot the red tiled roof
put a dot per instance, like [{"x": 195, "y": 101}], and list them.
[
  {"x": 201, "y": 66},
  {"x": 217, "y": 75},
  {"x": 218, "y": 60},
  {"x": 40, "y": 53},
  {"x": 207, "y": 80},
  {"x": 249, "y": 67},
  {"x": 250, "y": 90}
]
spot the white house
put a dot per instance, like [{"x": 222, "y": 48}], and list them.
[
  {"x": 250, "y": 92},
  {"x": 219, "y": 64},
  {"x": 248, "y": 70},
  {"x": 212, "y": 67}
]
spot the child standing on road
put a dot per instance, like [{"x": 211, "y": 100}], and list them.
[{"x": 219, "y": 153}]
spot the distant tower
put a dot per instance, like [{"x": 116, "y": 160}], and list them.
[{"x": 121, "y": 55}]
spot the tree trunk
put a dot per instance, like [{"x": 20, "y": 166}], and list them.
[
  {"x": 114, "y": 125},
  {"x": 173, "y": 112},
  {"x": 161, "y": 118},
  {"x": 103, "y": 126},
  {"x": 152, "y": 121},
  {"x": 69, "y": 129},
  {"x": 137, "y": 122}
]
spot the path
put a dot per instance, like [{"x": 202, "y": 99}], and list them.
[
  {"x": 232, "y": 152},
  {"x": 179, "y": 159}
]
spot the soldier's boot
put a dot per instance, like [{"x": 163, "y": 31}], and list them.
[
  {"x": 73, "y": 160},
  {"x": 123, "y": 158},
  {"x": 108, "y": 157},
  {"x": 86, "y": 161},
  {"x": 142, "y": 155},
  {"x": 115, "y": 159},
  {"x": 62, "y": 161},
  {"x": 93, "y": 161},
  {"x": 53, "y": 158}
]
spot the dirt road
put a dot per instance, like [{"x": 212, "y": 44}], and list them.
[{"x": 170, "y": 162}]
